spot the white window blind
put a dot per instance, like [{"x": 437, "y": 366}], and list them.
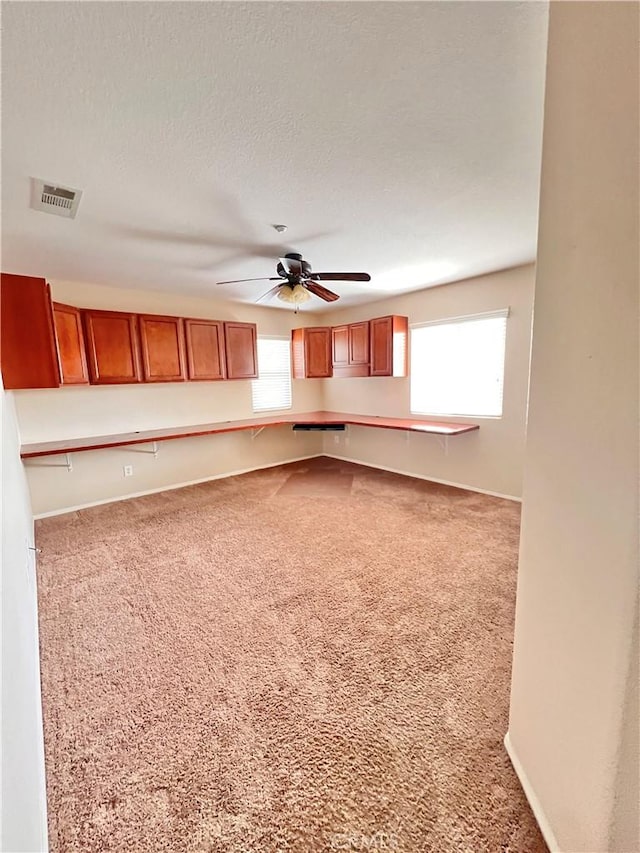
[
  {"x": 273, "y": 389},
  {"x": 457, "y": 366}
]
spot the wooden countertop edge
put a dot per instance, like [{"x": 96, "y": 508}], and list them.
[{"x": 76, "y": 445}]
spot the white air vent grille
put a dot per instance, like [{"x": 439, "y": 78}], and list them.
[{"x": 53, "y": 198}]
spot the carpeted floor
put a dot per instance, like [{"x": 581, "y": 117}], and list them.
[{"x": 309, "y": 658}]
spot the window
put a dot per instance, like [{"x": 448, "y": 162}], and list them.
[
  {"x": 457, "y": 366},
  {"x": 273, "y": 389}
]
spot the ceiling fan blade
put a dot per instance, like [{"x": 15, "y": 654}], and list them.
[
  {"x": 340, "y": 276},
  {"x": 242, "y": 280},
  {"x": 322, "y": 292},
  {"x": 269, "y": 293},
  {"x": 291, "y": 266}
]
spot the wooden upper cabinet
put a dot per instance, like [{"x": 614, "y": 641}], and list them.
[
  {"x": 317, "y": 349},
  {"x": 389, "y": 343},
  {"x": 241, "y": 351},
  {"x": 205, "y": 349},
  {"x": 72, "y": 357},
  {"x": 162, "y": 348},
  {"x": 28, "y": 354},
  {"x": 312, "y": 350},
  {"x": 340, "y": 346},
  {"x": 113, "y": 352},
  {"x": 350, "y": 349},
  {"x": 359, "y": 343}
]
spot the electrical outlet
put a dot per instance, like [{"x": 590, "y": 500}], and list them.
[
  {"x": 336, "y": 438},
  {"x": 128, "y": 470}
]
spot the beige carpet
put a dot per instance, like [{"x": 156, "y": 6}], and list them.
[{"x": 310, "y": 658}]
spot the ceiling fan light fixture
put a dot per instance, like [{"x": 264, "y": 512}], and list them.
[
  {"x": 297, "y": 284},
  {"x": 294, "y": 295}
]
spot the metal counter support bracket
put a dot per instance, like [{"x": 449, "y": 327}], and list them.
[
  {"x": 256, "y": 432},
  {"x": 153, "y": 451},
  {"x": 444, "y": 444},
  {"x": 66, "y": 464}
]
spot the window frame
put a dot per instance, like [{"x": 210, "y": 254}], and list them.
[{"x": 503, "y": 313}]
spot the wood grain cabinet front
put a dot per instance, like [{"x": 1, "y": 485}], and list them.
[
  {"x": 113, "y": 348},
  {"x": 389, "y": 345},
  {"x": 311, "y": 349},
  {"x": 28, "y": 351},
  {"x": 340, "y": 346},
  {"x": 359, "y": 343},
  {"x": 72, "y": 356},
  {"x": 205, "y": 349},
  {"x": 240, "y": 340},
  {"x": 350, "y": 350},
  {"x": 162, "y": 348}
]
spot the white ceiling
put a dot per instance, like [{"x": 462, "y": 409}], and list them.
[{"x": 402, "y": 139}]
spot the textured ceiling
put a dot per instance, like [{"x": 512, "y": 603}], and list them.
[{"x": 402, "y": 139}]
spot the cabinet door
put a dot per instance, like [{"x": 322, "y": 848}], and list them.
[
  {"x": 113, "y": 353},
  {"x": 297, "y": 354},
  {"x": 205, "y": 349},
  {"x": 27, "y": 339},
  {"x": 162, "y": 348},
  {"x": 359, "y": 343},
  {"x": 317, "y": 351},
  {"x": 70, "y": 340},
  {"x": 340, "y": 346},
  {"x": 311, "y": 350},
  {"x": 241, "y": 350},
  {"x": 381, "y": 343},
  {"x": 389, "y": 340}
]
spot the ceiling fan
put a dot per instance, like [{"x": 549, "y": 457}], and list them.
[{"x": 296, "y": 281}]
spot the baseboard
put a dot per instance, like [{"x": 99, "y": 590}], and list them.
[
  {"x": 424, "y": 477},
  {"x": 532, "y": 799},
  {"x": 65, "y": 510},
  {"x": 172, "y": 486}
]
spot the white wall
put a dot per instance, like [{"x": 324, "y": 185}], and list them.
[
  {"x": 490, "y": 459},
  {"x": 574, "y": 715},
  {"x": 24, "y": 823},
  {"x": 625, "y": 820},
  {"x": 98, "y": 410}
]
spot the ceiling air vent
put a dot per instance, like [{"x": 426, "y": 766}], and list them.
[{"x": 53, "y": 198}]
